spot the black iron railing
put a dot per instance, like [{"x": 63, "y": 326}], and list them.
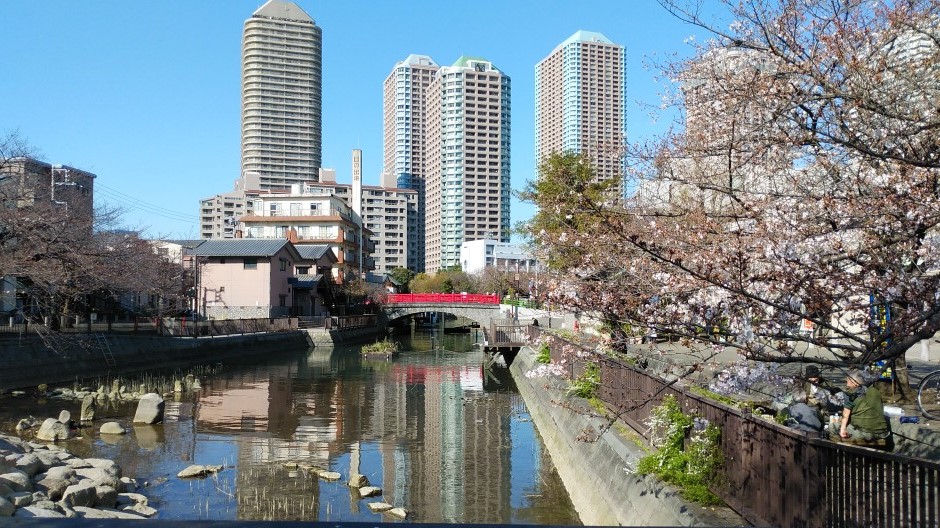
[{"x": 773, "y": 475}]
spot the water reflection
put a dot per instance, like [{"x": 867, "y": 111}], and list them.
[{"x": 422, "y": 427}]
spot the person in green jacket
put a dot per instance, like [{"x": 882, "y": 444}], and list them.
[{"x": 863, "y": 416}]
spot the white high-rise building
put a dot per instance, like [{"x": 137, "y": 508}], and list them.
[
  {"x": 467, "y": 182},
  {"x": 580, "y": 102},
  {"x": 405, "y": 134},
  {"x": 281, "y": 95}
]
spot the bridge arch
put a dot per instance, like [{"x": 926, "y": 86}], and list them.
[{"x": 482, "y": 314}]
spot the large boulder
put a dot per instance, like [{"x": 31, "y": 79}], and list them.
[
  {"x": 112, "y": 428},
  {"x": 52, "y": 430},
  {"x": 65, "y": 417},
  {"x": 35, "y": 511},
  {"x": 6, "y": 508},
  {"x": 29, "y": 464},
  {"x": 107, "y": 496},
  {"x": 89, "y": 406},
  {"x": 48, "y": 458},
  {"x": 17, "y": 481},
  {"x": 106, "y": 464},
  {"x": 59, "y": 472},
  {"x": 81, "y": 494},
  {"x": 149, "y": 409},
  {"x": 131, "y": 499},
  {"x": 100, "y": 477},
  {"x": 21, "y": 498},
  {"x": 357, "y": 481},
  {"x": 54, "y": 487}
]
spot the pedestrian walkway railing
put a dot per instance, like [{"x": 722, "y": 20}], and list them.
[
  {"x": 774, "y": 475},
  {"x": 442, "y": 298},
  {"x": 187, "y": 327}
]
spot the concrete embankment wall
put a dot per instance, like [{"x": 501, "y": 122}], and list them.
[
  {"x": 28, "y": 362},
  {"x": 320, "y": 337},
  {"x": 598, "y": 475}
]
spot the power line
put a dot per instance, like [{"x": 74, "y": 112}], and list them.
[{"x": 128, "y": 200}]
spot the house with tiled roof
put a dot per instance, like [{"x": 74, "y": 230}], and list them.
[{"x": 258, "y": 278}]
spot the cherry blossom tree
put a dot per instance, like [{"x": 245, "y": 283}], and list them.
[
  {"x": 60, "y": 251},
  {"x": 791, "y": 212}
]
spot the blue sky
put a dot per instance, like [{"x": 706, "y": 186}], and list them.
[{"x": 145, "y": 94}]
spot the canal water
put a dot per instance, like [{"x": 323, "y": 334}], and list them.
[{"x": 442, "y": 438}]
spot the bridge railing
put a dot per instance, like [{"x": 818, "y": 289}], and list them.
[{"x": 442, "y": 298}]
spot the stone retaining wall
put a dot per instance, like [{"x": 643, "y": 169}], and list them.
[
  {"x": 598, "y": 475},
  {"x": 27, "y": 362}
]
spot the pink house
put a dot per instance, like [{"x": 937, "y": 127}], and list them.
[{"x": 259, "y": 278}]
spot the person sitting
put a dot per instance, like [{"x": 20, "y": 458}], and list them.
[
  {"x": 819, "y": 392},
  {"x": 863, "y": 416}
]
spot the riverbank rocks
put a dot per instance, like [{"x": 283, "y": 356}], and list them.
[
  {"x": 370, "y": 491},
  {"x": 379, "y": 506},
  {"x": 331, "y": 476},
  {"x": 112, "y": 428},
  {"x": 81, "y": 494},
  {"x": 57, "y": 489},
  {"x": 149, "y": 409},
  {"x": 52, "y": 430},
  {"x": 357, "y": 481},
  {"x": 65, "y": 416},
  {"x": 27, "y": 423},
  {"x": 398, "y": 512},
  {"x": 17, "y": 481},
  {"x": 198, "y": 471}
]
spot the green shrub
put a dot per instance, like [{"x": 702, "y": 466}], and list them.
[
  {"x": 385, "y": 346},
  {"x": 691, "y": 466},
  {"x": 544, "y": 355},
  {"x": 585, "y": 385}
]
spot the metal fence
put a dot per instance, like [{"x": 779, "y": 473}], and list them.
[
  {"x": 185, "y": 327},
  {"x": 773, "y": 475}
]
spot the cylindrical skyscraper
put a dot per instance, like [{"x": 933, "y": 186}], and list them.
[{"x": 282, "y": 50}]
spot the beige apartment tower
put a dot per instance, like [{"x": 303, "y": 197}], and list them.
[
  {"x": 580, "y": 96},
  {"x": 405, "y": 134},
  {"x": 281, "y": 96},
  {"x": 468, "y": 182}
]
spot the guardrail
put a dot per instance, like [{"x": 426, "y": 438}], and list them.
[
  {"x": 442, "y": 298},
  {"x": 774, "y": 475}
]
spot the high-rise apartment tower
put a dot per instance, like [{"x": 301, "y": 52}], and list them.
[
  {"x": 405, "y": 120},
  {"x": 580, "y": 96},
  {"x": 467, "y": 178},
  {"x": 281, "y": 95}
]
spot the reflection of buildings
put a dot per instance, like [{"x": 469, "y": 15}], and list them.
[
  {"x": 459, "y": 461},
  {"x": 428, "y": 435}
]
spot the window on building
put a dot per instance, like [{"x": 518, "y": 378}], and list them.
[
  {"x": 282, "y": 300},
  {"x": 251, "y": 263},
  {"x": 284, "y": 265}
]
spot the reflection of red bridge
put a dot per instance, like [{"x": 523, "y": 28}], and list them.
[{"x": 442, "y": 298}]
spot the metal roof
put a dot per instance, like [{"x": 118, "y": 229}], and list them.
[
  {"x": 304, "y": 282},
  {"x": 311, "y": 251},
  {"x": 240, "y": 247}
]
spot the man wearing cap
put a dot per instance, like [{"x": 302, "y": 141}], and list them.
[
  {"x": 819, "y": 392},
  {"x": 863, "y": 416}
]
